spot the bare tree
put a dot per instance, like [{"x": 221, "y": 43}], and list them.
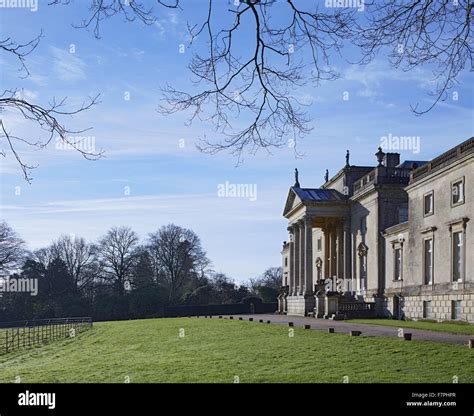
[
  {"x": 44, "y": 256},
  {"x": 177, "y": 254},
  {"x": 78, "y": 256},
  {"x": 117, "y": 253},
  {"x": 12, "y": 249},
  {"x": 272, "y": 277}
]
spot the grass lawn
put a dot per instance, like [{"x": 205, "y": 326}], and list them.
[
  {"x": 451, "y": 327},
  {"x": 218, "y": 350}
]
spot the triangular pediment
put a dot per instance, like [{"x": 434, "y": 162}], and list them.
[{"x": 292, "y": 201}]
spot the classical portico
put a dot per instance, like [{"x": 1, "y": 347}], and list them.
[{"x": 310, "y": 269}]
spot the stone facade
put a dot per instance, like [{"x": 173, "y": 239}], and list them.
[
  {"x": 390, "y": 240},
  {"x": 442, "y": 306}
]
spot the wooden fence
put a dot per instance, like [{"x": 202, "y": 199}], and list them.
[{"x": 20, "y": 334}]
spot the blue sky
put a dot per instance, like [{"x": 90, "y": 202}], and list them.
[{"x": 148, "y": 178}]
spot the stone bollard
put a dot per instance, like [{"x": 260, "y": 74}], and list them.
[
  {"x": 407, "y": 336},
  {"x": 471, "y": 343},
  {"x": 290, "y": 323},
  {"x": 250, "y": 319},
  {"x": 355, "y": 333},
  {"x": 307, "y": 327},
  {"x": 330, "y": 330}
]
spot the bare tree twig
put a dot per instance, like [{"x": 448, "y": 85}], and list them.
[
  {"x": 435, "y": 34},
  {"x": 20, "y": 50},
  {"x": 47, "y": 119}
]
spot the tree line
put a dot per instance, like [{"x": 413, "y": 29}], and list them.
[{"x": 118, "y": 276}]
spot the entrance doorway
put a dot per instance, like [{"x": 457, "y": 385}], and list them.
[{"x": 396, "y": 313}]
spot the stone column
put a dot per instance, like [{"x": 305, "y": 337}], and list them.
[
  {"x": 340, "y": 255},
  {"x": 296, "y": 260},
  {"x": 302, "y": 257},
  {"x": 291, "y": 282},
  {"x": 347, "y": 254},
  {"x": 308, "y": 283},
  {"x": 333, "y": 268},
  {"x": 326, "y": 254},
  {"x": 330, "y": 252}
]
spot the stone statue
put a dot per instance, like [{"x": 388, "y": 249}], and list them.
[
  {"x": 297, "y": 183},
  {"x": 326, "y": 176},
  {"x": 347, "y": 159}
]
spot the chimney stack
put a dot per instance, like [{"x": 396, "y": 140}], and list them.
[{"x": 391, "y": 160}]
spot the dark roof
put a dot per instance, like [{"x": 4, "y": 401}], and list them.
[
  {"x": 318, "y": 194},
  {"x": 412, "y": 164}
]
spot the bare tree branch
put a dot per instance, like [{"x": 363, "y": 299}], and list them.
[
  {"x": 20, "y": 50},
  {"x": 252, "y": 100},
  {"x": 434, "y": 34},
  {"x": 47, "y": 119},
  {"x": 260, "y": 87},
  {"x": 131, "y": 10}
]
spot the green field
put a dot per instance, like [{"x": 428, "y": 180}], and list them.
[
  {"x": 463, "y": 328},
  {"x": 218, "y": 350}
]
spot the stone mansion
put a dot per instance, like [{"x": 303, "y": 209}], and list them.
[{"x": 393, "y": 240}]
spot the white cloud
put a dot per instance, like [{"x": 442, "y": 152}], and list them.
[
  {"x": 160, "y": 27},
  {"x": 309, "y": 99},
  {"x": 38, "y": 79},
  {"x": 67, "y": 66},
  {"x": 173, "y": 18},
  {"x": 373, "y": 75},
  {"x": 29, "y": 95},
  {"x": 172, "y": 25}
]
